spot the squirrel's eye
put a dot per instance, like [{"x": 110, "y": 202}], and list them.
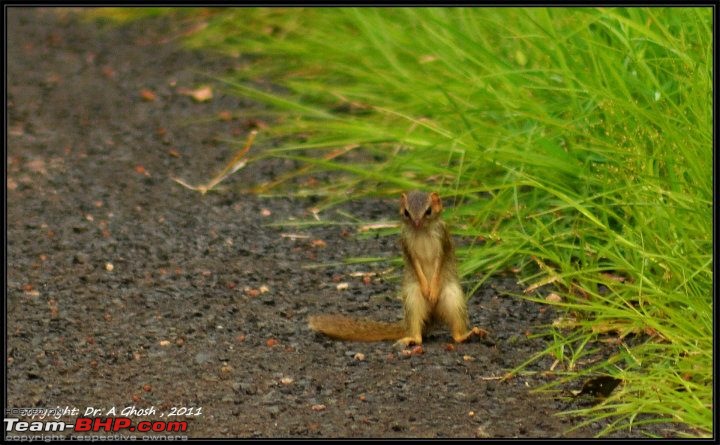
[
  {"x": 428, "y": 212},
  {"x": 407, "y": 214}
]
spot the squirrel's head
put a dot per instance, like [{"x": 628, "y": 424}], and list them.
[{"x": 418, "y": 208}]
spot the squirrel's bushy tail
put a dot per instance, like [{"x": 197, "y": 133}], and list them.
[{"x": 346, "y": 328}]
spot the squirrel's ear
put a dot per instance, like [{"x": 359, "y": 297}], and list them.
[
  {"x": 403, "y": 202},
  {"x": 435, "y": 202}
]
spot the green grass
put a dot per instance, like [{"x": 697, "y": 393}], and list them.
[{"x": 577, "y": 142}]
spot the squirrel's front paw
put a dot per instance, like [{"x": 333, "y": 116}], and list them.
[{"x": 434, "y": 294}]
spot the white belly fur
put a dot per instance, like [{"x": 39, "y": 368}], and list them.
[{"x": 426, "y": 248}]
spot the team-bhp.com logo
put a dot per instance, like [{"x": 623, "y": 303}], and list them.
[{"x": 88, "y": 424}]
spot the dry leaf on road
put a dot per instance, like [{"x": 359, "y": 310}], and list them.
[{"x": 202, "y": 94}]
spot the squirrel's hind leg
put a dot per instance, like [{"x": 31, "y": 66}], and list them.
[
  {"x": 417, "y": 310},
  {"x": 452, "y": 309}
]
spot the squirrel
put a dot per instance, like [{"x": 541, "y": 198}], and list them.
[{"x": 431, "y": 290}]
